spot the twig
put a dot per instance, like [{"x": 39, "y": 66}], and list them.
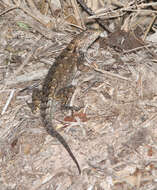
[
  {"x": 149, "y": 27},
  {"x": 8, "y": 10},
  {"x": 111, "y": 74},
  {"x": 136, "y": 49},
  {"x": 77, "y": 13},
  {"x": 8, "y": 102},
  {"x": 34, "y": 75},
  {"x": 91, "y": 13}
]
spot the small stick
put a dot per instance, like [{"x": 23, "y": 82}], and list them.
[
  {"x": 149, "y": 27},
  {"x": 8, "y": 102},
  {"x": 8, "y": 10},
  {"x": 91, "y": 13}
]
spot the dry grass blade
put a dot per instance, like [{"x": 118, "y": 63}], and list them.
[{"x": 77, "y": 13}]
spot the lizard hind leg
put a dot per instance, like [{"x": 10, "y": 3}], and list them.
[{"x": 65, "y": 95}]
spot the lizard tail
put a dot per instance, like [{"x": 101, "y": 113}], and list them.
[{"x": 55, "y": 134}]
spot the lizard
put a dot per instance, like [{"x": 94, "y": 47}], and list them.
[{"x": 57, "y": 88}]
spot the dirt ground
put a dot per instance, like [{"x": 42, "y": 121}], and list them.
[{"x": 113, "y": 135}]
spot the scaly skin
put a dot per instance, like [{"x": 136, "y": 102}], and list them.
[{"x": 57, "y": 88}]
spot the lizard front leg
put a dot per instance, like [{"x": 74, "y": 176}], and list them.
[{"x": 36, "y": 100}]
